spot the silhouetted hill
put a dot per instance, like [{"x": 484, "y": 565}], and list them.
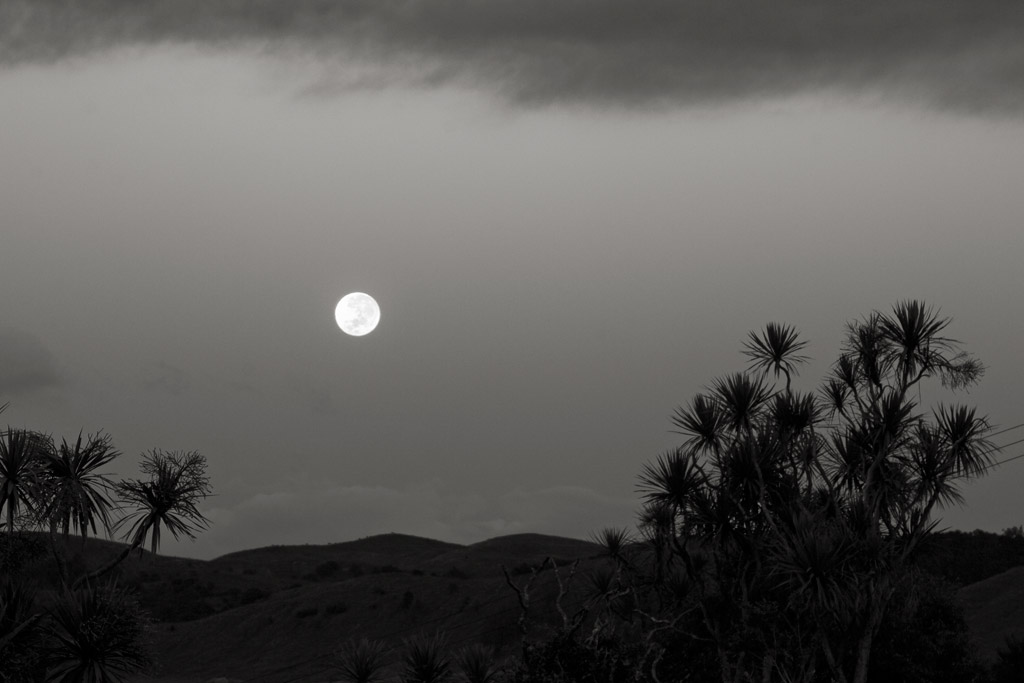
[
  {"x": 517, "y": 553},
  {"x": 994, "y": 609},
  {"x": 393, "y": 546},
  {"x": 536, "y": 544},
  {"x": 963, "y": 557},
  {"x": 386, "y": 587},
  {"x": 277, "y": 612}
]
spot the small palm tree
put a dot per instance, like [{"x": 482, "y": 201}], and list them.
[
  {"x": 98, "y": 635},
  {"x": 20, "y": 467},
  {"x": 362, "y": 661},
  {"x": 426, "y": 660},
  {"x": 793, "y": 513},
  {"x": 74, "y": 492},
  {"x": 169, "y": 498}
]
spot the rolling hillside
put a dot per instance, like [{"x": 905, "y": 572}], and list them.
[
  {"x": 274, "y": 614},
  {"x": 994, "y": 609}
]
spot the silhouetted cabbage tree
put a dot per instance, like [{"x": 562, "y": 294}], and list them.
[
  {"x": 781, "y": 533},
  {"x": 86, "y": 633},
  {"x": 21, "y": 452},
  {"x": 72, "y": 493},
  {"x": 167, "y": 497}
]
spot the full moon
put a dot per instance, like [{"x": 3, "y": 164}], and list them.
[{"x": 357, "y": 314}]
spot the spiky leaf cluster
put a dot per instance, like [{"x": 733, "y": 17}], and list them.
[
  {"x": 168, "y": 498},
  {"x": 788, "y": 513}
]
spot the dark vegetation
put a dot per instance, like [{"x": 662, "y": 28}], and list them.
[
  {"x": 786, "y": 538},
  {"x": 63, "y": 618},
  {"x": 968, "y": 557},
  {"x": 791, "y": 537}
]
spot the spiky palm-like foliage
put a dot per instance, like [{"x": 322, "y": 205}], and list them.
[
  {"x": 426, "y": 659},
  {"x": 672, "y": 479},
  {"x": 74, "y": 492},
  {"x": 362, "y": 661},
  {"x": 702, "y": 422},
  {"x": 776, "y": 349},
  {"x": 812, "y": 559},
  {"x": 169, "y": 498},
  {"x": 21, "y": 453},
  {"x": 477, "y": 664},
  {"x": 20, "y": 632},
  {"x": 98, "y": 635},
  {"x": 964, "y": 435},
  {"x": 613, "y": 541},
  {"x": 792, "y": 533},
  {"x": 912, "y": 333},
  {"x": 740, "y": 398}
]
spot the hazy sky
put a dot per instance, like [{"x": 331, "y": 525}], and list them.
[{"x": 571, "y": 213}]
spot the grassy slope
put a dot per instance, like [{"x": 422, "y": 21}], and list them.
[
  {"x": 404, "y": 585},
  {"x": 272, "y": 614},
  {"x": 994, "y": 609}
]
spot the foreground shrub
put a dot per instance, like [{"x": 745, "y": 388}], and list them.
[
  {"x": 20, "y": 633},
  {"x": 476, "y": 664},
  {"x": 361, "y": 661},
  {"x": 426, "y": 660},
  {"x": 97, "y": 635},
  {"x": 783, "y": 535}
]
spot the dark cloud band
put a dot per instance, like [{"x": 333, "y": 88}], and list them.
[{"x": 962, "y": 53}]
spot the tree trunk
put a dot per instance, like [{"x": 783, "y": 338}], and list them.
[
  {"x": 767, "y": 667},
  {"x": 58, "y": 557},
  {"x": 106, "y": 569},
  {"x": 834, "y": 666},
  {"x": 860, "y": 673}
]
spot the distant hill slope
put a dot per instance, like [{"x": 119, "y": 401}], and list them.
[
  {"x": 965, "y": 557},
  {"x": 994, "y": 609},
  {"x": 422, "y": 585},
  {"x": 383, "y": 545},
  {"x": 516, "y": 553},
  {"x": 274, "y": 614}
]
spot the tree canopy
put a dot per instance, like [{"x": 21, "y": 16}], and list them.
[
  {"x": 782, "y": 534},
  {"x": 91, "y": 632}
]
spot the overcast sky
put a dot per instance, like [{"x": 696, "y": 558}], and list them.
[{"x": 571, "y": 213}]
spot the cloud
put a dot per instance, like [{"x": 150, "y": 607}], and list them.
[
  {"x": 26, "y": 365},
  {"x": 328, "y": 513},
  {"x": 960, "y": 53}
]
